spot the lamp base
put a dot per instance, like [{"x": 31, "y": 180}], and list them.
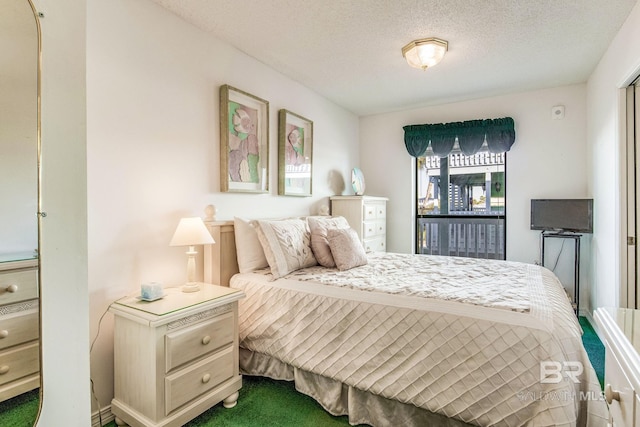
[{"x": 191, "y": 287}]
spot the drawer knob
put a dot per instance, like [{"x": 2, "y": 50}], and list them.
[
  {"x": 206, "y": 340},
  {"x": 4, "y": 369},
  {"x": 206, "y": 378},
  {"x": 12, "y": 288},
  {"x": 4, "y": 333},
  {"x": 610, "y": 394}
]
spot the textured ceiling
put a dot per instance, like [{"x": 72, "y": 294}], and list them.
[{"x": 349, "y": 51}]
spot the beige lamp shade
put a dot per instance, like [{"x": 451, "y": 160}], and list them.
[
  {"x": 425, "y": 53},
  {"x": 190, "y": 232}
]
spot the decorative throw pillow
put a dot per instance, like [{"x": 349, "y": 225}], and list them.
[
  {"x": 346, "y": 248},
  {"x": 319, "y": 227},
  {"x": 248, "y": 248},
  {"x": 286, "y": 244}
]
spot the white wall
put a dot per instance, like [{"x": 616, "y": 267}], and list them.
[
  {"x": 153, "y": 149},
  {"x": 606, "y": 143},
  {"x": 548, "y": 160},
  {"x": 64, "y": 292}
]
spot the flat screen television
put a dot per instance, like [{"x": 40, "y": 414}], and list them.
[{"x": 572, "y": 215}]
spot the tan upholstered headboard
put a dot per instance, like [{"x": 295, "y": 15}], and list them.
[{"x": 220, "y": 262}]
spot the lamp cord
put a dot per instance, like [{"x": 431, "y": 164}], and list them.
[
  {"x": 93, "y": 393},
  {"x": 558, "y": 257}
]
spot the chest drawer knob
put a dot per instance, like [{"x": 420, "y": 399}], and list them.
[
  {"x": 4, "y": 369},
  {"x": 206, "y": 378},
  {"x": 4, "y": 333},
  {"x": 206, "y": 340},
  {"x": 610, "y": 394},
  {"x": 12, "y": 288}
]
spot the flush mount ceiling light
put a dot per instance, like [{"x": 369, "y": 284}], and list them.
[{"x": 425, "y": 53}]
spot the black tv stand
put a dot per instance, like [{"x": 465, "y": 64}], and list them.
[{"x": 576, "y": 261}]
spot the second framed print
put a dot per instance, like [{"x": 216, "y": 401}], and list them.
[
  {"x": 244, "y": 141},
  {"x": 295, "y": 154}
]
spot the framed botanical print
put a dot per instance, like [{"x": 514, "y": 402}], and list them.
[
  {"x": 244, "y": 141},
  {"x": 295, "y": 154}
]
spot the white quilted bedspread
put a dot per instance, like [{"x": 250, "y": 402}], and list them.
[
  {"x": 436, "y": 277},
  {"x": 459, "y": 337}
]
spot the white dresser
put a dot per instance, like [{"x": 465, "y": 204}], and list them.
[
  {"x": 620, "y": 328},
  {"x": 19, "y": 327},
  {"x": 176, "y": 357},
  {"x": 367, "y": 215}
]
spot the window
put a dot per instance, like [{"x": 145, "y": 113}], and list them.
[{"x": 461, "y": 205}]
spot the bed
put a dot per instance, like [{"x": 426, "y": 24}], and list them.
[{"x": 408, "y": 340}]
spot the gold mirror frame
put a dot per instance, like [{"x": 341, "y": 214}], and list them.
[{"x": 38, "y": 213}]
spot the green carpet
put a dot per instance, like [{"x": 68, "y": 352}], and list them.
[
  {"x": 20, "y": 411},
  {"x": 264, "y": 402},
  {"x": 594, "y": 347}
]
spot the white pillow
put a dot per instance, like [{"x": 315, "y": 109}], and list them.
[
  {"x": 346, "y": 248},
  {"x": 286, "y": 244},
  {"x": 248, "y": 248},
  {"x": 319, "y": 226}
]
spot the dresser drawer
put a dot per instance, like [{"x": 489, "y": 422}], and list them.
[
  {"x": 186, "y": 384},
  {"x": 368, "y": 229},
  {"x": 621, "y": 410},
  {"x": 18, "y": 285},
  {"x": 373, "y": 228},
  {"x": 368, "y": 211},
  {"x": 377, "y": 244},
  {"x": 18, "y": 328},
  {"x": 374, "y": 211},
  {"x": 19, "y": 362},
  {"x": 195, "y": 341}
]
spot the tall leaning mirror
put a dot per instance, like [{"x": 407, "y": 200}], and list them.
[{"x": 19, "y": 207}]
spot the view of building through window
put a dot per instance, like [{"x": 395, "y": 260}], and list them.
[{"x": 461, "y": 205}]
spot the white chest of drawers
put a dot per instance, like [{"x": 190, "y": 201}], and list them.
[
  {"x": 19, "y": 328},
  {"x": 176, "y": 357},
  {"x": 367, "y": 215},
  {"x": 620, "y": 328}
]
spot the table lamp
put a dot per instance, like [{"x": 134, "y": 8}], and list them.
[{"x": 191, "y": 232}]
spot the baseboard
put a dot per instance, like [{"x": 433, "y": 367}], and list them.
[
  {"x": 591, "y": 320},
  {"x": 104, "y": 414}
]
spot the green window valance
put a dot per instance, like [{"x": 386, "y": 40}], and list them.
[{"x": 499, "y": 134}]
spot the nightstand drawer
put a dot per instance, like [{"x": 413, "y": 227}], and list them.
[
  {"x": 19, "y": 362},
  {"x": 621, "y": 409},
  {"x": 18, "y": 286},
  {"x": 195, "y": 341},
  {"x": 18, "y": 328},
  {"x": 197, "y": 379}
]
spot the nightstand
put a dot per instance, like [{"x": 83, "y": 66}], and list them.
[
  {"x": 19, "y": 327},
  {"x": 620, "y": 328},
  {"x": 175, "y": 357}
]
